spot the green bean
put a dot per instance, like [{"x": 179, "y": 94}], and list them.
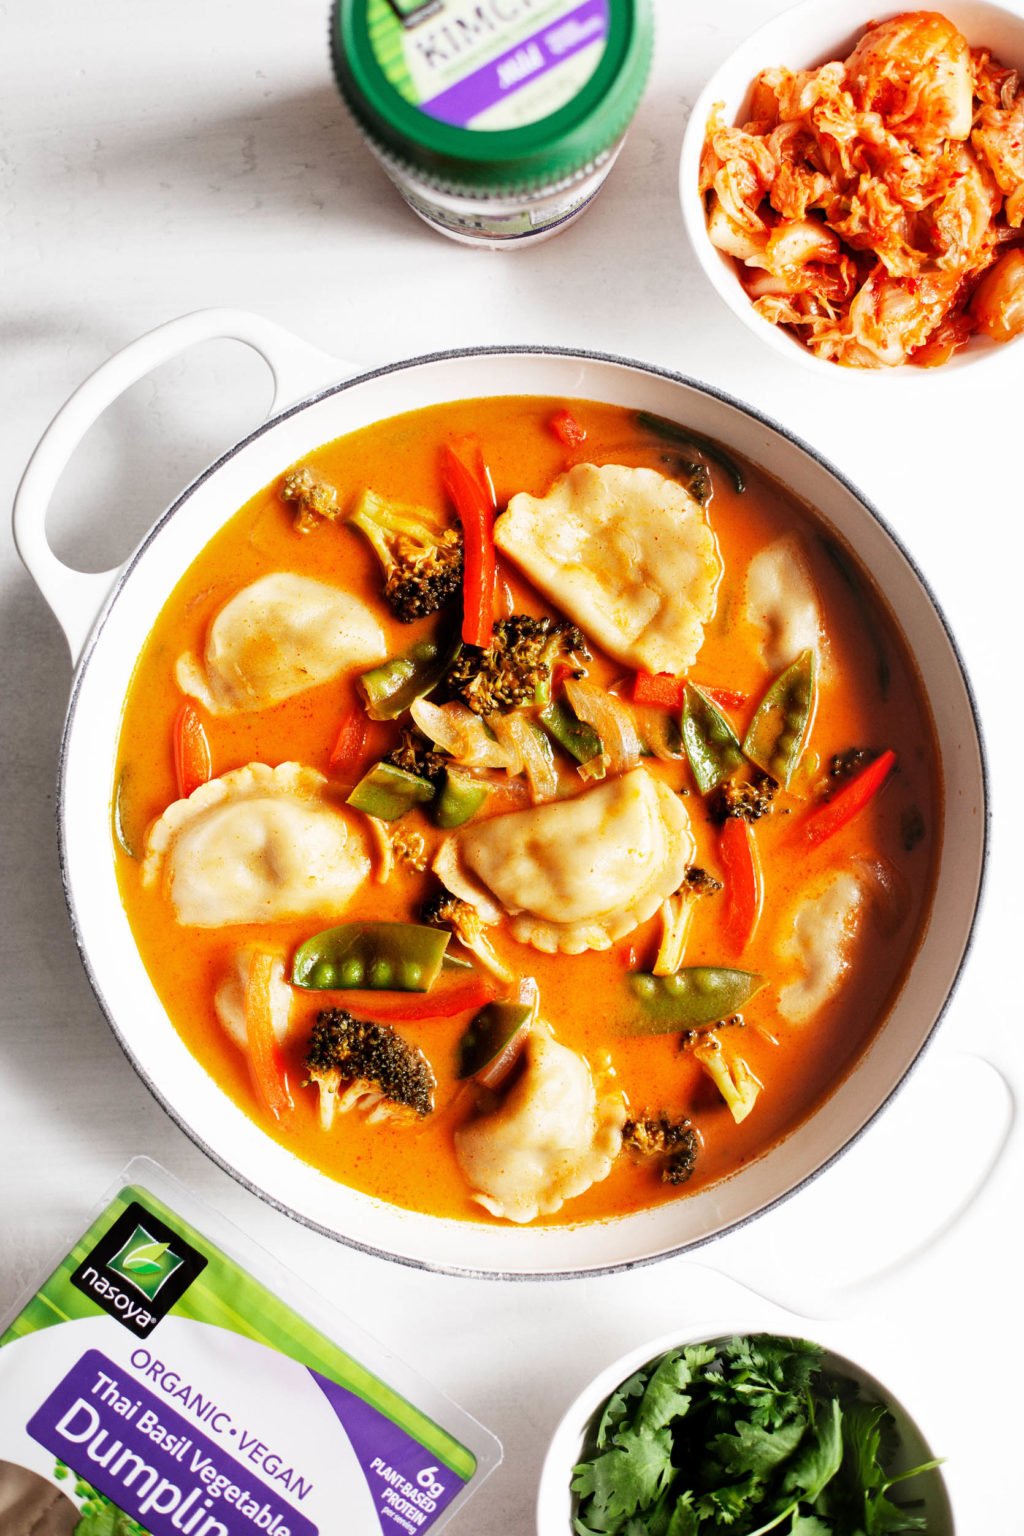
[
  {"x": 397, "y": 957},
  {"x": 121, "y": 798},
  {"x": 778, "y": 731},
  {"x": 712, "y": 746}
]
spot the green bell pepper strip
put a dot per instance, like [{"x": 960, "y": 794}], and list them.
[
  {"x": 387, "y": 792},
  {"x": 672, "y": 432},
  {"x": 687, "y": 999},
  {"x": 396, "y": 684},
  {"x": 712, "y": 745},
  {"x": 489, "y": 1033},
  {"x": 460, "y": 798},
  {"x": 778, "y": 731},
  {"x": 393, "y": 957},
  {"x": 571, "y": 733}
]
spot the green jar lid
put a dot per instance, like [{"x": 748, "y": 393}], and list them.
[{"x": 492, "y": 97}]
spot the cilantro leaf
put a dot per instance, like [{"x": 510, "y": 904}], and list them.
[{"x": 663, "y": 1398}]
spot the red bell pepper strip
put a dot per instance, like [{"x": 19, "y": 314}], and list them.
[
  {"x": 725, "y": 698},
  {"x": 660, "y": 689},
  {"x": 266, "y": 1064},
  {"x": 567, "y": 429},
  {"x": 441, "y": 1002},
  {"x": 744, "y": 888},
  {"x": 192, "y": 762},
  {"x": 850, "y": 800},
  {"x": 468, "y": 484},
  {"x": 350, "y": 747}
]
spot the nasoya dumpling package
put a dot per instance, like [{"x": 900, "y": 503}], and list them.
[{"x": 154, "y": 1386}]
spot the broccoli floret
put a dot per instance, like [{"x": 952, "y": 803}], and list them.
[
  {"x": 421, "y": 556},
  {"x": 357, "y": 1064},
  {"x": 315, "y": 498},
  {"x": 516, "y": 667},
  {"x": 843, "y": 765},
  {"x": 463, "y": 921},
  {"x": 660, "y": 1136},
  {"x": 417, "y": 755},
  {"x": 697, "y": 882},
  {"x": 747, "y": 799}
]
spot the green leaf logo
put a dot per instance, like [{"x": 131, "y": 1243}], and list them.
[{"x": 145, "y": 1260}]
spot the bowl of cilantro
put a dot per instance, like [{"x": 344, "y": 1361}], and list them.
[{"x": 747, "y": 1434}]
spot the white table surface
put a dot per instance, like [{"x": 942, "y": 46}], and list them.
[{"x": 156, "y": 159}]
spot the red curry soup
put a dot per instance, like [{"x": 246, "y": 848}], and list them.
[{"x": 526, "y": 811}]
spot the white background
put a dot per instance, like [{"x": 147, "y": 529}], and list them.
[{"x": 156, "y": 159}]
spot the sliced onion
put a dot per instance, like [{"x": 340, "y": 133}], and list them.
[
  {"x": 530, "y": 750},
  {"x": 458, "y": 731},
  {"x": 660, "y": 731},
  {"x": 611, "y": 719}
]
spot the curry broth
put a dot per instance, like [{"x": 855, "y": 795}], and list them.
[{"x": 415, "y": 1166}]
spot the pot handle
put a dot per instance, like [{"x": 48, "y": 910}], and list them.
[
  {"x": 994, "y": 1191},
  {"x": 77, "y": 597}
]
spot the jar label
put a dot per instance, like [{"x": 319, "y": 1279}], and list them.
[{"x": 488, "y": 64}]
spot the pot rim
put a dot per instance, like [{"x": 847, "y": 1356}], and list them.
[{"x": 271, "y": 422}]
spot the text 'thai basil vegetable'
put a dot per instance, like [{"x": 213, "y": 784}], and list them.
[
  {"x": 781, "y": 723},
  {"x": 399, "y": 957},
  {"x": 688, "y": 999}
]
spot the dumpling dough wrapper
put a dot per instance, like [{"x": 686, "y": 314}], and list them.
[
  {"x": 575, "y": 874},
  {"x": 551, "y": 1137},
  {"x": 277, "y": 637},
  {"x": 258, "y": 845},
  {"x": 627, "y": 553}
]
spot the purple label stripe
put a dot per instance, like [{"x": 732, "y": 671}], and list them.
[
  {"x": 409, "y": 1488},
  {"x": 520, "y": 65},
  {"x": 156, "y": 1465}
]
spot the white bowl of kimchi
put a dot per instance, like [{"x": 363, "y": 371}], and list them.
[{"x": 910, "y": 246}]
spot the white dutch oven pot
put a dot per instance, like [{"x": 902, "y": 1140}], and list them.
[{"x": 107, "y": 617}]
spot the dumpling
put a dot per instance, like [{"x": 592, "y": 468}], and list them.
[
  {"x": 229, "y": 999},
  {"x": 782, "y": 603},
  {"x": 575, "y": 874},
  {"x": 819, "y": 944},
  {"x": 551, "y": 1137},
  {"x": 276, "y": 637},
  {"x": 258, "y": 845},
  {"x": 627, "y": 553}
]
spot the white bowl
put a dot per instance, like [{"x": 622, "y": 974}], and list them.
[
  {"x": 109, "y": 617},
  {"x": 806, "y": 37},
  {"x": 554, "y": 1493}
]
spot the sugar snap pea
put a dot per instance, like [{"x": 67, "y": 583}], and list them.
[
  {"x": 396, "y": 957},
  {"x": 491, "y": 1033},
  {"x": 711, "y": 743},
  {"x": 387, "y": 792},
  {"x": 781, "y": 721},
  {"x": 686, "y": 999}
]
